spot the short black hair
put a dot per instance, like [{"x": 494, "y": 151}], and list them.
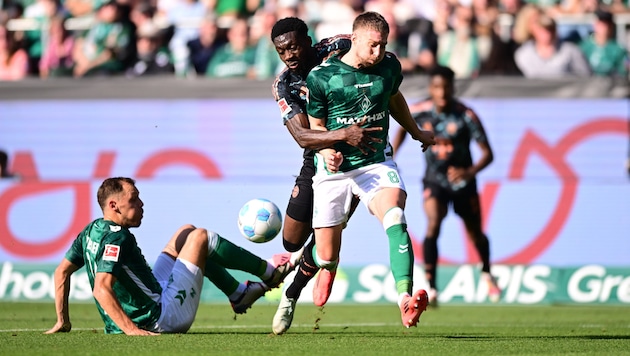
[
  {"x": 604, "y": 16},
  {"x": 442, "y": 71},
  {"x": 289, "y": 24}
]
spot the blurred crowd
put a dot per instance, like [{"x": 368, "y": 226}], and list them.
[{"x": 230, "y": 38}]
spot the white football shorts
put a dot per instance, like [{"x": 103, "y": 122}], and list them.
[
  {"x": 181, "y": 281},
  {"x": 332, "y": 193}
]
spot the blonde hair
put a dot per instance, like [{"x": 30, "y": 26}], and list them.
[{"x": 521, "y": 32}]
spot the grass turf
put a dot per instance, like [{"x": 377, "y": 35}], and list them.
[{"x": 335, "y": 330}]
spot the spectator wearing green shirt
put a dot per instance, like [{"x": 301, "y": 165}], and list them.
[
  {"x": 604, "y": 55},
  {"x": 107, "y": 47},
  {"x": 236, "y": 58}
]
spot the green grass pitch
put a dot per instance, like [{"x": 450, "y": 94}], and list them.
[{"x": 335, "y": 330}]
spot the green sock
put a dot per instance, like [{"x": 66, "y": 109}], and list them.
[
  {"x": 230, "y": 256},
  {"x": 401, "y": 257},
  {"x": 331, "y": 267},
  {"x": 220, "y": 277}
]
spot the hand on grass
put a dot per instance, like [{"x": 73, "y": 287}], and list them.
[{"x": 60, "y": 327}]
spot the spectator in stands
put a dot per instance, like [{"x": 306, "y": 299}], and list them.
[
  {"x": 143, "y": 14},
  {"x": 205, "y": 45},
  {"x": 41, "y": 13},
  {"x": 421, "y": 43},
  {"x": 495, "y": 54},
  {"x": 605, "y": 56},
  {"x": 397, "y": 42},
  {"x": 442, "y": 18},
  {"x": 619, "y": 6},
  {"x": 337, "y": 17},
  {"x": 81, "y": 8},
  {"x": 524, "y": 23},
  {"x": 13, "y": 56},
  {"x": 107, "y": 46},
  {"x": 266, "y": 61},
  {"x": 57, "y": 59},
  {"x": 511, "y": 7},
  {"x": 236, "y": 57},
  {"x": 457, "y": 48},
  {"x": 573, "y": 7},
  {"x": 228, "y": 11},
  {"x": 546, "y": 57},
  {"x": 152, "y": 59},
  {"x": 291, "y": 8},
  {"x": 185, "y": 16},
  {"x": 573, "y": 31}
]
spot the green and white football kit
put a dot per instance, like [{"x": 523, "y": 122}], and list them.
[
  {"x": 344, "y": 95},
  {"x": 164, "y": 299}
]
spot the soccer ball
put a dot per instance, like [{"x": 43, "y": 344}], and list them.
[{"x": 259, "y": 220}]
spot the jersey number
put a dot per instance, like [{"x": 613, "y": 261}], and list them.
[
  {"x": 90, "y": 264},
  {"x": 393, "y": 177}
]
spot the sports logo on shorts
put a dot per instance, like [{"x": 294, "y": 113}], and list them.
[
  {"x": 111, "y": 253},
  {"x": 284, "y": 106}
]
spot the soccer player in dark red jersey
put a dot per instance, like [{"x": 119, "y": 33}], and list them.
[{"x": 450, "y": 171}]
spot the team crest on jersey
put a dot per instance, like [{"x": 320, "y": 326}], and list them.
[
  {"x": 365, "y": 104},
  {"x": 114, "y": 228},
  {"x": 111, "y": 253},
  {"x": 285, "y": 108}
]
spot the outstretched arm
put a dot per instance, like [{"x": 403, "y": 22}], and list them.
[
  {"x": 63, "y": 272},
  {"x": 398, "y": 138},
  {"x": 353, "y": 135},
  {"x": 400, "y": 112},
  {"x": 106, "y": 298}
]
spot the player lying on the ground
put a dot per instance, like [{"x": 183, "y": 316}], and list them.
[{"x": 135, "y": 299}]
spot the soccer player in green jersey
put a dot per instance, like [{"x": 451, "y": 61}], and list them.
[
  {"x": 362, "y": 84},
  {"x": 131, "y": 297}
]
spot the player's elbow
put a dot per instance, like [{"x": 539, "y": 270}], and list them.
[
  {"x": 302, "y": 141},
  {"x": 489, "y": 156}
]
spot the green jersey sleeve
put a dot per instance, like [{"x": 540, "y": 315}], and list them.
[
  {"x": 113, "y": 252},
  {"x": 75, "y": 253},
  {"x": 316, "y": 103}
]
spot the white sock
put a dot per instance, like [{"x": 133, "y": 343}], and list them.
[
  {"x": 268, "y": 272},
  {"x": 238, "y": 292}
]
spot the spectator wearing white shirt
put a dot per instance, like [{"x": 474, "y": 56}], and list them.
[{"x": 545, "y": 57}]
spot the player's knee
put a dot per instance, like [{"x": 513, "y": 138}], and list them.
[
  {"x": 213, "y": 241},
  {"x": 394, "y": 216},
  {"x": 478, "y": 238},
  {"x": 291, "y": 246}
]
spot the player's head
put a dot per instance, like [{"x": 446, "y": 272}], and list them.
[
  {"x": 369, "y": 38},
  {"x": 441, "y": 85},
  {"x": 292, "y": 42},
  {"x": 120, "y": 201}
]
